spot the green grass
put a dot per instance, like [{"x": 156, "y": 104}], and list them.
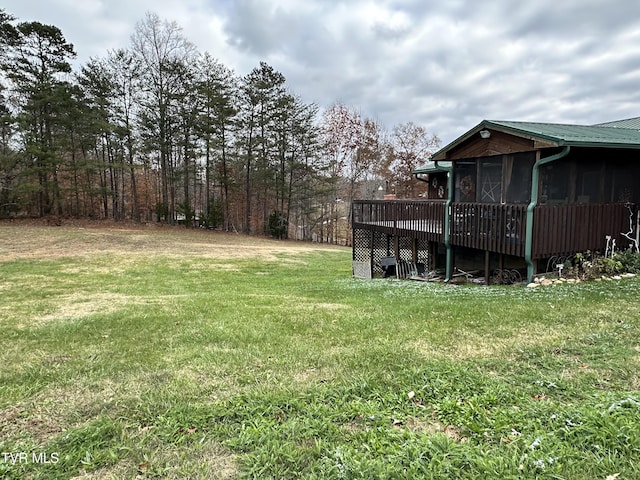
[{"x": 187, "y": 362}]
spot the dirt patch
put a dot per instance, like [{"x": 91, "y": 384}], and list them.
[
  {"x": 19, "y": 420},
  {"x": 50, "y": 412},
  {"x": 432, "y": 426}
]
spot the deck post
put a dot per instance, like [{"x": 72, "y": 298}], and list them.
[
  {"x": 434, "y": 255},
  {"x": 487, "y": 257},
  {"x": 371, "y": 250},
  {"x": 447, "y": 225}
]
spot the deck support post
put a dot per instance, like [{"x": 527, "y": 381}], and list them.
[
  {"x": 371, "y": 250},
  {"x": 487, "y": 257},
  {"x": 447, "y": 223}
]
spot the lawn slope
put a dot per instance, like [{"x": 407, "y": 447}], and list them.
[{"x": 149, "y": 352}]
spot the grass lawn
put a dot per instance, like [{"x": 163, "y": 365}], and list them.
[{"x": 149, "y": 352}]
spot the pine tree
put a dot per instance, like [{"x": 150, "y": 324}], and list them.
[
  {"x": 38, "y": 57},
  {"x": 217, "y": 87}
]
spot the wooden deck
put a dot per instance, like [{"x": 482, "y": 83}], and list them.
[
  {"x": 419, "y": 219},
  {"x": 557, "y": 229}
]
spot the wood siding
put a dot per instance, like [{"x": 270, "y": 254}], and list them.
[{"x": 498, "y": 143}]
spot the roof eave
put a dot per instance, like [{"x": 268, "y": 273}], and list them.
[
  {"x": 554, "y": 141},
  {"x": 432, "y": 167},
  {"x": 442, "y": 153},
  {"x": 488, "y": 124},
  {"x": 545, "y": 141},
  {"x": 631, "y": 146}
]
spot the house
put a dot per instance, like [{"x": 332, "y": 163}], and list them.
[{"x": 510, "y": 195}]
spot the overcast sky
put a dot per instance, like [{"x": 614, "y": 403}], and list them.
[{"x": 444, "y": 67}]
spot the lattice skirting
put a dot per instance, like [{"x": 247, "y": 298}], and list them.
[
  {"x": 370, "y": 247},
  {"x": 361, "y": 269}
]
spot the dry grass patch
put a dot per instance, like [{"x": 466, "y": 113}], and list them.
[
  {"x": 432, "y": 426},
  {"x": 203, "y": 460},
  {"x": 207, "y": 460},
  {"x": 329, "y": 306},
  {"x": 22, "y": 419},
  {"x": 469, "y": 346},
  {"x": 299, "y": 303},
  {"x": 24, "y": 240},
  {"x": 57, "y": 409},
  {"x": 309, "y": 376},
  {"x": 78, "y": 305}
]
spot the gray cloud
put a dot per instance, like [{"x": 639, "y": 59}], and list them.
[{"x": 445, "y": 67}]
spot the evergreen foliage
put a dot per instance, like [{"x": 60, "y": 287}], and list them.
[{"x": 157, "y": 130}]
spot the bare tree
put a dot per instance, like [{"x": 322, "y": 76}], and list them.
[
  {"x": 409, "y": 147},
  {"x": 354, "y": 147},
  {"x": 161, "y": 48},
  {"x": 125, "y": 75}
]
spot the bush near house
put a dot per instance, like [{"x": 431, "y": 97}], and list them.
[{"x": 589, "y": 266}]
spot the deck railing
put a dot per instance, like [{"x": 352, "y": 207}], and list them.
[
  {"x": 494, "y": 227},
  {"x": 557, "y": 229},
  {"x": 416, "y": 218},
  {"x": 567, "y": 229}
]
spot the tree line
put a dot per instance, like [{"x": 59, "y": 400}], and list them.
[{"x": 159, "y": 131}]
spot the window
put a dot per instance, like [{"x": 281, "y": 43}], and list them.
[
  {"x": 496, "y": 179},
  {"x": 555, "y": 183},
  {"x": 465, "y": 174},
  {"x": 491, "y": 180},
  {"x": 517, "y": 170},
  {"x": 588, "y": 187}
]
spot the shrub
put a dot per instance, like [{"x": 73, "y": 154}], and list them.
[
  {"x": 214, "y": 217},
  {"x": 605, "y": 266},
  {"x": 189, "y": 213},
  {"x": 629, "y": 260},
  {"x": 278, "y": 225},
  {"x": 162, "y": 211},
  {"x": 588, "y": 266}
]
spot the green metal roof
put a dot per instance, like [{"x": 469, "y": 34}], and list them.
[
  {"x": 613, "y": 135},
  {"x": 574, "y": 135},
  {"x": 626, "y": 123},
  {"x": 432, "y": 167}
]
